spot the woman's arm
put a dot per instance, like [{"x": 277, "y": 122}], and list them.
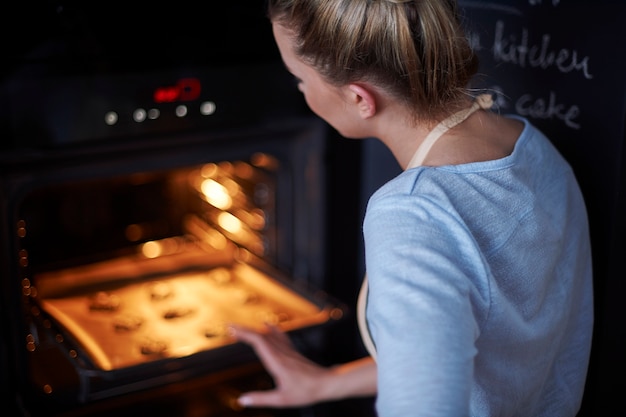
[{"x": 298, "y": 380}]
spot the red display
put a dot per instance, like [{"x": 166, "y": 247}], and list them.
[{"x": 186, "y": 89}]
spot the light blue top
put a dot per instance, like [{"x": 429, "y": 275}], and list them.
[{"x": 480, "y": 287}]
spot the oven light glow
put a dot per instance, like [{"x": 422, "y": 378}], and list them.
[
  {"x": 216, "y": 239},
  {"x": 264, "y": 160},
  {"x": 216, "y": 194},
  {"x": 151, "y": 249},
  {"x": 229, "y": 222},
  {"x": 244, "y": 170},
  {"x": 209, "y": 170},
  {"x": 231, "y": 186},
  {"x": 255, "y": 219}
]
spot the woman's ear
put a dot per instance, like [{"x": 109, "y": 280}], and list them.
[{"x": 364, "y": 98}]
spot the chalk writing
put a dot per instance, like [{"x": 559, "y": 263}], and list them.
[
  {"x": 542, "y": 108},
  {"x": 518, "y": 45},
  {"x": 516, "y": 51},
  {"x": 548, "y": 108}
]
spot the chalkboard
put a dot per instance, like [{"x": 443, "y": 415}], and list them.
[{"x": 562, "y": 64}]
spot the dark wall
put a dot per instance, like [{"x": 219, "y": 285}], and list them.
[{"x": 87, "y": 37}]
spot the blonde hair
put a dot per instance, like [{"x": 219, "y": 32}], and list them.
[{"x": 414, "y": 49}]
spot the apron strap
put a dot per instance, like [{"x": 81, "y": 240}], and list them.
[
  {"x": 484, "y": 101},
  {"x": 364, "y": 330}
]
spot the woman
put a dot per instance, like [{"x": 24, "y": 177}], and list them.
[{"x": 478, "y": 298}]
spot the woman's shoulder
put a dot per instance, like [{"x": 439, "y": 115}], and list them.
[{"x": 413, "y": 191}]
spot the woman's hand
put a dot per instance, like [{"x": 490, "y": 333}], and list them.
[{"x": 298, "y": 380}]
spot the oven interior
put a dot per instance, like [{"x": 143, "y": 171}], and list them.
[{"x": 130, "y": 266}]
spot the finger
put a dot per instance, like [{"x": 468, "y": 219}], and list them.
[
  {"x": 244, "y": 334},
  {"x": 268, "y": 347},
  {"x": 271, "y": 398},
  {"x": 278, "y": 339},
  {"x": 277, "y": 335},
  {"x": 271, "y": 335}
]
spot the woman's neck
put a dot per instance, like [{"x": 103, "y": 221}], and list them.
[
  {"x": 483, "y": 136},
  {"x": 397, "y": 129}
]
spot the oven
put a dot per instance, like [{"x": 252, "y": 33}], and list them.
[{"x": 143, "y": 213}]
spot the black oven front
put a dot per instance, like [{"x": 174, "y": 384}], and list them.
[{"x": 136, "y": 227}]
